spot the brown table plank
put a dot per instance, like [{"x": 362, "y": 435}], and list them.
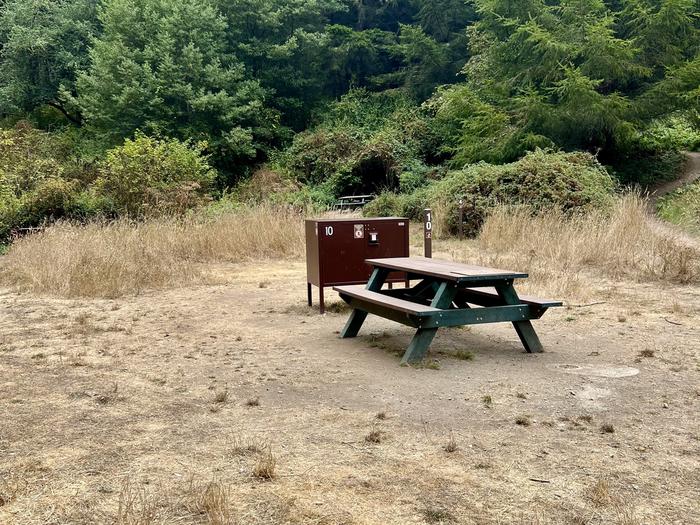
[{"x": 447, "y": 270}]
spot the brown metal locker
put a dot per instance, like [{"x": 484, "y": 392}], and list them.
[{"x": 336, "y": 250}]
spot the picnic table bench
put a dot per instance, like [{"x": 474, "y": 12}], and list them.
[
  {"x": 353, "y": 201},
  {"x": 447, "y": 294}
]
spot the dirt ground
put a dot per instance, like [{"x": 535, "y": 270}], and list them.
[{"x": 160, "y": 408}]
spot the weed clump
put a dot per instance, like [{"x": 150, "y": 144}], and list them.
[
  {"x": 451, "y": 445},
  {"x": 265, "y": 465},
  {"x": 523, "y": 421},
  {"x": 220, "y": 397},
  {"x": 375, "y": 436},
  {"x": 607, "y": 428}
]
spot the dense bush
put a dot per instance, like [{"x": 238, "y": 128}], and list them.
[
  {"x": 389, "y": 204},
  {"x": 540, "y": 180},
  {"x": 149, "y": 176},
  {"x": 38, "y": 181},
  {"x": 366, "y": 143},
  {"x": 647, "y": 168},
  {"x": 568, "y": 181},
  {"x": 682, "y": 207},
  {"x": 675, "y": 132}
]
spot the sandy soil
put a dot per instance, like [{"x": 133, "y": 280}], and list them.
[{"x": 115, "y": 411}]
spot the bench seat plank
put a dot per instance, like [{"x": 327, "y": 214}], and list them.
[
  {"x": 491, "y": 293},
  {"x": 377, "y": 298}
]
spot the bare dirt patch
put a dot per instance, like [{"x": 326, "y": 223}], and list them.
[{"x": 112, "y": 411}]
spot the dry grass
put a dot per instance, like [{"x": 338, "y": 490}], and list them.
[
  {"x": 194, "y": 503},
  {"x": 212, "y": 502},
  {"x": 246, "y": 446},
  {"x": 375, "y": 436},
  {"x": 554, "y": 248},
  {"x": 523, "y": 421},
  {"x": 599, "y": 493},
  {"x": 12, "y": 486},
  {"x": 136, "y": 506},
  {"x": 607, "y": 428},
  {"x": 120, "y": 258},
  {"x": 265, "y": 465},
  {"x": 451, "y": 445},
  {"x": 221, "y": 396}
]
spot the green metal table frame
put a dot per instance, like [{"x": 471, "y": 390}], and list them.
[{"x": 452, "y": 298}]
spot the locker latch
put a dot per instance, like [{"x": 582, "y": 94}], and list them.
[{"x": 374, "y": 237}]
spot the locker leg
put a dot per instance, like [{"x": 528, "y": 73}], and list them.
[
  {"x": 308, "y": 293},
  {"x": 391, "y": 286},
  {"x": 321, "y": 300}
]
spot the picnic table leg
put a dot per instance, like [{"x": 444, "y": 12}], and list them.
[
  {"x": 424, "y": 336},
  {"x": 357, "y": 317},
  {"x": 525, "y": 330}
]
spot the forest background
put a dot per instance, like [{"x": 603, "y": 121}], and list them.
[{"x": 146, "y": 107}]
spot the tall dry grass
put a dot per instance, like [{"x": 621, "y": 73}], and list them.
[
  {"x": 625, "y": 242},
  {"x": 113, "y": 259}
]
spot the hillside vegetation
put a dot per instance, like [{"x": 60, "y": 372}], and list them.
[{"x": 139, "y": 108}]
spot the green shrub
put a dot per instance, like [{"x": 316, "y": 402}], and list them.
[
  {"x": 389, "y": 204},
  {"x": 365, "y": 143},
  {"x": 540, "y": 180},
  {"x": 675, "y": 132},
  {"x": 27, "y": 157},
  {"x": 648, "y": 168},
  {"x": 682, "y": 207},
  {"x": 39, "y": 182},
  {"x": 149, "y": 176},
  {"x": 472, "y": 129},
  {"x": 49, "y": 200}
]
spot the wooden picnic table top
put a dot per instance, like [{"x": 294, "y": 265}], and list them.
[{"x": 446, "y": 270}]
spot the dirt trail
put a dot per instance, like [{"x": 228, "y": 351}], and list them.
[{"x": 691, "y": 173}]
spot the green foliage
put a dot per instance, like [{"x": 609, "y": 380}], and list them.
[
  {"x": 285, "y": 46},
  {"x": 43, "y": 46},
  {"x": 364, "y": 144},
  {"x": 388, "y": 204},
  {"x": 38, "y": 180},
  {"x": 161, "y": 66},
  {"x": 386, "y": 96},
  {"x": 541, "y": 180},
  {"x": 682, "y": 207},
  {"x": 647, "y": 168},
  {"x": 473, "y": 130},
  {"x": 674, "y": 132},
  {"x": 574, "y": 74},
  {"x": 152, "y": 176}
]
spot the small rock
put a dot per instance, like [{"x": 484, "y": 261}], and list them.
[{"x": 665, "y": 405}]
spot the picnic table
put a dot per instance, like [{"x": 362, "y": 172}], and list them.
[{"x": 447, "y": 294}]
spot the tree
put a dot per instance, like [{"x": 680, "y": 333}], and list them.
[
  {"x": 162, "y": 66},
  {"x": 284, "y": 45},
  {"x": 43, "y": 46},
  {"x": 562, "y": 72}
]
